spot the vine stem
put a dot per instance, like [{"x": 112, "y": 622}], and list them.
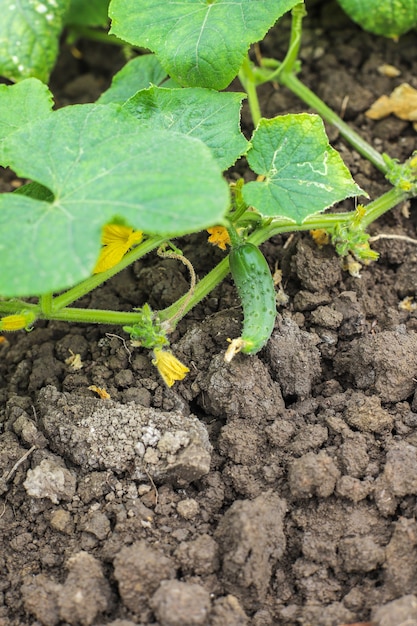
[
  {"x": 180, "y": 308},
  {"x": 247, "y": 78},
  {"x": 279, "y": 226},
  {"x": 94, "y": 316},
  {"x": 15, "y": 306},
  {"x": 288, "y": 64},
  {"x": 75, "y": 293},
  {"x": 45, "y": 302}
]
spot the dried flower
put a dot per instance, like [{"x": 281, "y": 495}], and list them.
[
  {"x": 219, "y": 237},
  {"x": 116, "y": 240},
  {"x": 320, "y": 236},
  {"x": 74, "y": 361},
  {"x": 100, "y": 391},
  {"x": 170, "y": 368}
]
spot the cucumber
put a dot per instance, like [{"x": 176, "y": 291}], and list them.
[
  {"x": 256, "y": 290},
  {"x": 390, "y": 18}
]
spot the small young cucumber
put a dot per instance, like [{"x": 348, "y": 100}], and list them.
[{"x": 256, "y": 290}]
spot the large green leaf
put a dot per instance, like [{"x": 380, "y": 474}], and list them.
[
  {"x": 139, "y": 73},
  {"x": 21, "y": 104},
  {"x": 29, "y": 33},
  {"x": 200, "y": 43},
  {"x": 303, "y": 173},
  {"x": 391, "y": 18},
  {"x": 88, "y": 13},
  {"x": 100, "y": 165},
  {"x": 208, "y": 115}
]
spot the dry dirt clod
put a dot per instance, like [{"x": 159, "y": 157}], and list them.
[
  {"x": 242, "y": 388},
  {"x": 383, "y": 363},
  {"x": 177, "y": 603},
  {"x": 50, "y": 480},
  {"x": 367, "y": 414},
  {"x": 293, "y": 358},
  {"x": 313, "y": 474},
  {"x": 139, "y": 570},
  {"x": 40, "y": 599},
  {"x": 361, "y": 554},
  {"x": 200, "y": 556},
  {"x": 400, "y": 568},
  {"x": 399, "y": 477},
  {"x": 227, "y": 610},
  {"x": 99, "y": 435},
  {"x": 401, "y": 612},
  {"x": 84, "y": 595},
  {"x": 252, "y": 541}
]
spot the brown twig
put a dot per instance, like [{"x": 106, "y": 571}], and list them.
[{"x": 8, "y": 476}]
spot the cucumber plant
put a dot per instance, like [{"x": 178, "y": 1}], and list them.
[{"x": 112, "y": 181}]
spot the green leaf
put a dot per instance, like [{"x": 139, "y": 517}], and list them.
[
  {"x": 100, "y": 166},
  {"x": 390, "y": 18},
  {"x": 208, "y": 115},
  {"x": 29, "y": 33},
  {"x": 303, "y": 173},
  {"x": 20, "y": 104},
  {"x": 91, "y": 13},
  {"x": 200, "y": 43},
  {"x": 139, "y": 73},
  {"x": 36, "y": 191}
]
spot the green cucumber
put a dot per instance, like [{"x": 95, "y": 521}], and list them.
[{"x": 256, "y": 290}]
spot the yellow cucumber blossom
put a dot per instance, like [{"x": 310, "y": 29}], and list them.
[
  {"x": 116, "y": 240},
  {"x": 170, "y": 368},
  {"x": 17, "y": 321},
  {"x": 320, "y": 236},
  {"x": 219, "y": 237}
]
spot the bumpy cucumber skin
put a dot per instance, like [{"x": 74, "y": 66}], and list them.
[{"x": 256, "y": 290}]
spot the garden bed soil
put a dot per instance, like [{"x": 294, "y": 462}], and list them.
[{"x": 278, "y": 489}]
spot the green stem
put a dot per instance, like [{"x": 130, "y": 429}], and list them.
[
  {"x": 218, "y": 273},
  {"x": 45, "y": 302},
  {"x": 326, "y": 221},
  {"x": 238, "y": 203},
  {"x": 384, "y": 203},
  {"x": 16, "y": 306},
  {"x": 363, "y": 147},
  {"x": 202, "y": 289},
  {"x": 276, "y": 226},
  {"x": 247, "y": 78},
  {"x": 95, "y": 316},
  {"x": 75, "y": 293},
  {"x": 235, "y": 238},
  {"x": 288, "y": 64}
]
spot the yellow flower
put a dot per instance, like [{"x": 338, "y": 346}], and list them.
[
  {"x": 18, "y": 321},
  {"x": 405, "y": 185},
  {"x": 320, "y": 236},
  {"x": 170, "y": 368},
  {"x": 116, "y": 240},
  {"x": 219, "y": 236}
]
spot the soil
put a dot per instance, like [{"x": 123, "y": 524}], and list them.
[{"x": 279, "y": 489}]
